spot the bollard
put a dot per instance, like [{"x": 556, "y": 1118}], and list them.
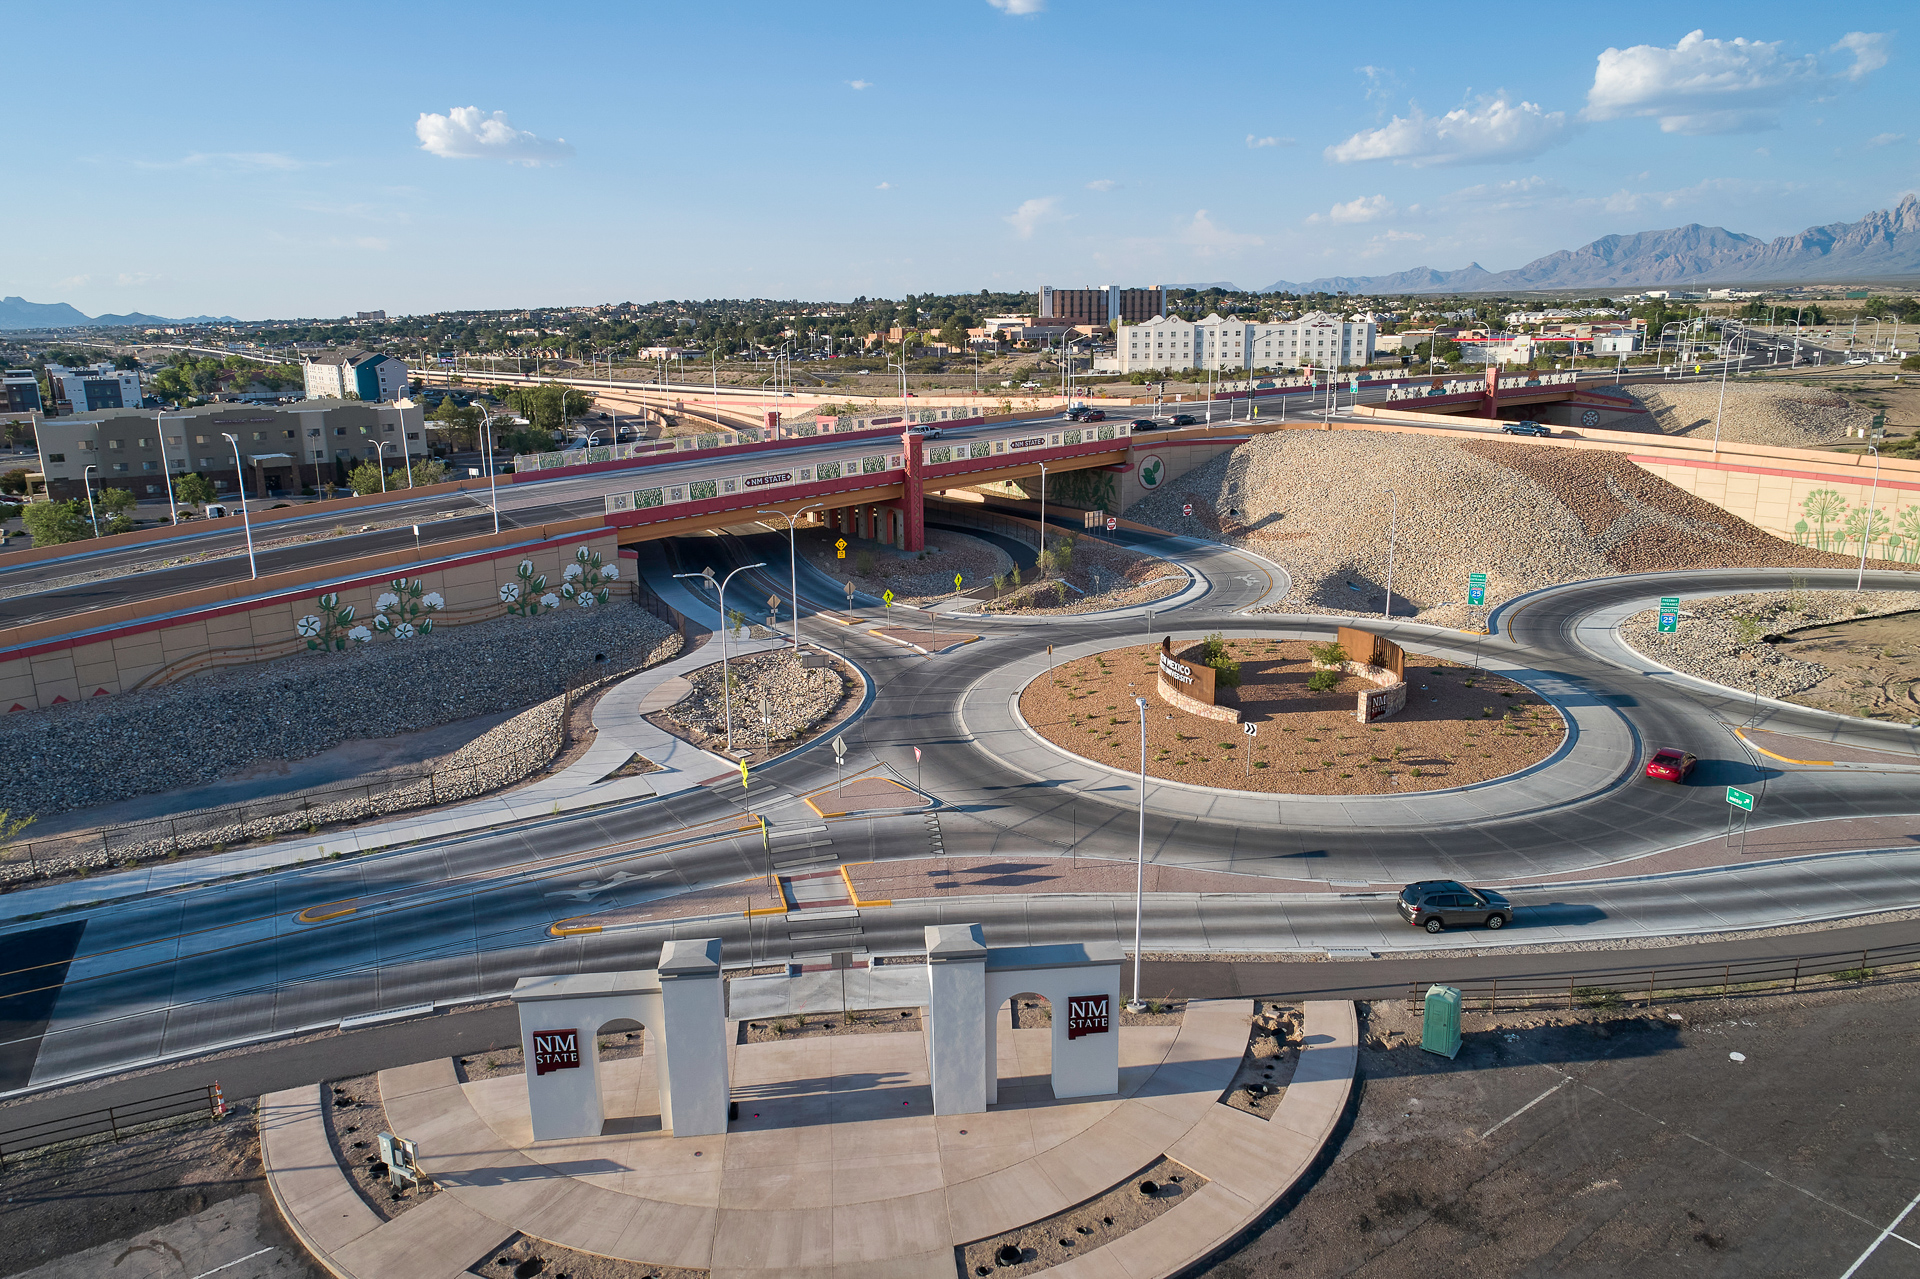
[{"x": 219, "y": 1101}]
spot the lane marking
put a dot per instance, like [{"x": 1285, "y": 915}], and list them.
[
  {"x": 1812, "y": 763},
  {"x": 324, "y": 911},
  {"x": 250, "y": 1256},
  {"x": 1524, "y": 1109},
  {"x": 1861, "y": 1260}
]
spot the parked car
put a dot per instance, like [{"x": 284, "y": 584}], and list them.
[
  {"x": 1144, "y": 424},
  {"x": 1439, "y": 904},
  {"x": 1526, "y": 428},
  {"x": 1184, "y": 419},
  {"x": 1670, "y": 764}
]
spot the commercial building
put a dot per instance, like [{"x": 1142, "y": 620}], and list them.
[
  {"x": 283, "y": 449},
  {"x": 91, "y": 389},
  {"x": 1099, "y": 306},
  {"x": 1316, "y": 339},
  {"x": 366, "y": 374},
  {"x": 21, "y": 390}
]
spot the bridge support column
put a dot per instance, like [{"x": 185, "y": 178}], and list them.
[
  {"x": 913, "y": 502},
  {"x": 1490, "y": 398}
]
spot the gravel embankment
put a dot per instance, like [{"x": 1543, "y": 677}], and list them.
[
  {"x": 792, "y": 697},
  {"x": 1722, "y": 638},
  {"x": 1784, "y": 416},
  {"x": 1320, "y": 504},
  {"x": 1100, "y": 576},
  {"x": 212, "y": 726}
]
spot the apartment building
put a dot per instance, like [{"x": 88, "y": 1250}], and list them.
[
  {"x": 1316, "y": 339},
  {"x": 366, "y": 374},
  {"x": 282, "y": 449},
  {"x": 91, "y": 389},
  {"x": 1099, "y": 306},
  {"x": 19, "y": 391}
]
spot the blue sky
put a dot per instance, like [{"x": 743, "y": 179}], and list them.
[{"x": 278, "y": 161}]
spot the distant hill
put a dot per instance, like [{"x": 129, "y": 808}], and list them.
[
  {"x": 1883, "y": 245},
  {"x": 18, "y": 313}
]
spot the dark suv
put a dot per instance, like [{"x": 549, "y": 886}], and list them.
[
  {"x": 1438, "y": 904},
  {"x": 1185, "y": 419}
]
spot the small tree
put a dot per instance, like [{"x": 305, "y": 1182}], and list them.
[
  {"x": 1322, "y": 681},
  {"x": 365, "y": 478},
  {"x": 10, "y": 828},
  {"x": 194, "y": 489},
  {"x": 14, "y": 481},
  {"x": 52, "y": 523},
  {"x": 113, "y": 511},
  {"x": 1328, "y": 654}
]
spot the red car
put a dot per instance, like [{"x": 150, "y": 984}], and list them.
[{"x": 1670, "y": 765}]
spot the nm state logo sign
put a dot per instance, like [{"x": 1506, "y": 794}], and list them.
[
  {"x": 1153, "y": 469},
  {"x": 555, "y": 1050},
  {"x": 1088, "y": 1015}
]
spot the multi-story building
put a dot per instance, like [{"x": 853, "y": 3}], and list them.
[
  {"x": 1100, "y": 306},
  {"x": 21, "y": 391},
  {"x": 366, "y": 374},
  {"x": 92, "y": 389},
  {"x": 1316, "y": 339},
  {"x": 282, "y": 449}
]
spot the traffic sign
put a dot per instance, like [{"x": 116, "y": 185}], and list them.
[
  {"x": 956, "y": 581},
  {"x": 839, "y": 747},
  {"x": 1669, "y": 623},
  {"x": 1112, "y": 523},
  {"x": 1187, "y": 509},
  {"x": 1740, "y": 799},
  {"x": 1251, "y": 730},
  {"x": 1476, "y": 579},
  {"x": 1669, "y": 603},
  {"x": 841, "y": 547},
  {"x": 1476, "y": 596},
  {"x": 886, "y": 596}
]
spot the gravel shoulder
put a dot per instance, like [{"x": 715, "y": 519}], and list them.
[{"x": 1754, "y": 413}]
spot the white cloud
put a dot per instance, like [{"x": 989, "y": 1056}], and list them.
[
  {"x": 73, "y": 282},
  {"x": 1034, "y": 214},
  {"x": 859, "y": 84},
  {"x": 1208, "y": 237},
  {"x": 1496, "y": 129},
  {"x": 884, "y": 186},
  {"x": 1363, "y": 208},
  {"x": 467, "y": 133},
  {"x": 242, "y": 161},
  {"x": 1102, "y": 184},
  {"x": 1700, "y": 86},
  {"x": 1254, "y": 142},
  {"x": 1402, "y": 235},
  {"x": 1886, "y": 139},
  {"x": 1019, "y": 8},
  {"x": 1869, "y": 50},
  {"x": 134, "y": 279}
]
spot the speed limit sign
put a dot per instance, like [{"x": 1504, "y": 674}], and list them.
[
  {"x": 1187, "y": 509},
  {"x": 1112, "y": 523}
]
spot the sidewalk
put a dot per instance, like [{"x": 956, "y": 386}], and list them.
[{"x": 621, "y": 732}]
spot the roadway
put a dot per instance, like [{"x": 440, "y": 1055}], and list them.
[{"x": 165, "y": 977}]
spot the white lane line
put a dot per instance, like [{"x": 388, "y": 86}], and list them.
[
  {"x": 231, "y": 1264},
  {"x": 1524, "y": 1109},
  {"x": 1862, "y": 1259}
]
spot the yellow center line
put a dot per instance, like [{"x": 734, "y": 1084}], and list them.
[{"x": 1811, "y": 763}]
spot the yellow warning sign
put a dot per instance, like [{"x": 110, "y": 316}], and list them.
[{"x": 840, "y": 547}]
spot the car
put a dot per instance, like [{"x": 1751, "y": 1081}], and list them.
[
  {"x": 1076, "y": 413},
  {"x": 1670, "y": 764},
  {"x": 1094, "y": 415},
  {"x": 1439, "y": 904},
  {"x": 1144, "y": 424},
  {"x": 931, "y": 432},
  {"x": 1184, "y": 419},
  {"x": 1526, "y": 428}
]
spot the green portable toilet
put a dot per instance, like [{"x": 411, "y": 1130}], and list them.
[{"x": 1440, "y": 1031}]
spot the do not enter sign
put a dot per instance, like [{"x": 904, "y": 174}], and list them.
[
  {"x": 1187, "y": 509},
  {"x": 1112, "y": 524}
]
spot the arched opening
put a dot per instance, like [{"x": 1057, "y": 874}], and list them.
[
  {"x": 629, "y": 1089},
  {"x": 1023, "y": 1049}
]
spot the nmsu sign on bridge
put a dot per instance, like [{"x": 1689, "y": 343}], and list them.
[
  {"x": 555, "y": 1050},
  {"x": 1088, "y": 1015}
]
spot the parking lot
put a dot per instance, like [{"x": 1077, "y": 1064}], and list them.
[{"x": 1623, "y": 1142}]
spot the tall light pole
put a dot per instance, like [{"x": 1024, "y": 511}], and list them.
[
  {"x": 92, "y": 519},
  {"x": 793, "y": 562},
  {"x": 726, "y": 679},
  {"x": 1140, "y": 861},
  {"x": 1043, "y": 511},
  {"x": 1393, "y": 542},
  {"x": 486, "y": 453},
  {"x": 380, "y": 462},
  {"x": 246, "y": 521},
  {"x": 1866, "y": 533}
]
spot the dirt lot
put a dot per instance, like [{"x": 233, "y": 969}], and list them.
[
  {"x": 1460, "y": 726},
  {"x": 1873, "y": 665},
  {"x": 1748, "y": 1138}
]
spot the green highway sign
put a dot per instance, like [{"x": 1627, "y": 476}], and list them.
[
  {"x": 1669, "y": 614},
  {"x": 1476, "y": 589},
  {"x": 1739, "y": 799},
  {"x": 1669, "y": 603},
  {"x": 1476, "y": 579}
]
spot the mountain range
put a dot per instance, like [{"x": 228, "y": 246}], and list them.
[
  {"x": 18, "y": 313},
  {"x": 1883, "y": 245}
]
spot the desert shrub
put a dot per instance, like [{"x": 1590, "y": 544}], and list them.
[
  {"x": 1328, "y": 654},
  {"x": 1322, "y": 681}
]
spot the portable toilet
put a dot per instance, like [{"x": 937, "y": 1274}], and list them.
[{"x": 1440, "y": 1030}]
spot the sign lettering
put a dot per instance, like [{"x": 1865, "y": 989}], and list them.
[
  {"x": 1032, "y": 442},
  {"x": 1179, "y": 672},
  {"x": 1088, "y": 1015},
  {"x": 555, "y": 1050},
  {"x": 761, "y": 481}
]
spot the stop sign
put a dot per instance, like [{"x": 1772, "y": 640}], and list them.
[
  {"x": 1112, "y": 524},
  {"x": 1187, "y": 509}
]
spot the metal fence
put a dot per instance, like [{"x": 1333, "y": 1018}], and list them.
[
  {"x": 1682, "y": 983},
  {"x": 114, "y": 1122}
]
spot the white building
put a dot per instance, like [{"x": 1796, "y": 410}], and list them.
[
  {"x": 91, "y": 389},
  {"x": 364, "y": 375},
  {"x": 1317, "y": 339}
]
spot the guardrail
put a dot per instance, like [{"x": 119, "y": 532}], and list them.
[
  {"x": 1683, "y": 983},
  {"x": 113, "y": 1122},
  {"x": 718, "y": 439}
]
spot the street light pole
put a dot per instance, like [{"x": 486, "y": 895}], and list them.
[
  {"x": 1873, "y": 496},
  {"x": 246, "y": 521},
  {"x": 793, "y": 562},
  {"x": 1043, "y": 512},
  {"x": 92, "y": 519},
  {"x": 726, "y": 678},
  {"x": 1140, "y": 861},
  {"x": 1393, "y": 541}
]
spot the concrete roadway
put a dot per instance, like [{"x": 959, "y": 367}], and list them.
[{"x": 177, "y": 975}]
